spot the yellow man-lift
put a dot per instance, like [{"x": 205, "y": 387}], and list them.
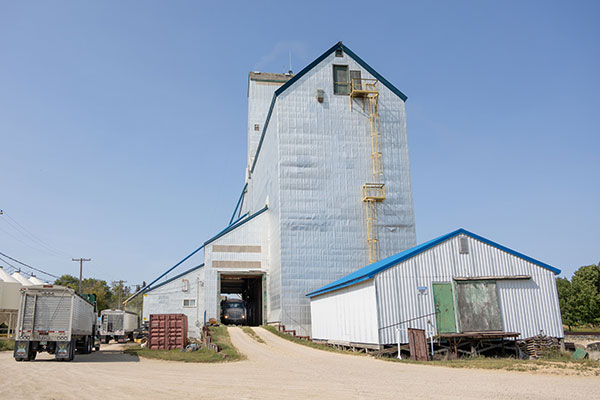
[{"x": 374, "y": 191}]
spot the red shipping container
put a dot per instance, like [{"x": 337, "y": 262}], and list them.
[{"x": 167, "y": 331}]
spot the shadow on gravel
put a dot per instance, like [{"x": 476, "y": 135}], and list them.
[{"x": 102, "y": 356}]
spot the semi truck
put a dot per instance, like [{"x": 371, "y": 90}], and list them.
[
  {"x": 118, "y": 325},
  {"x": 234, "y": 312},
  {"x": 54, "y": 319}
]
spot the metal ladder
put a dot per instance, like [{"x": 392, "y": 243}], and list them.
[{"x": 372, "y": 192}]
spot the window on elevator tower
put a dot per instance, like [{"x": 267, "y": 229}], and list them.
[{"x": 340, "y": 79}]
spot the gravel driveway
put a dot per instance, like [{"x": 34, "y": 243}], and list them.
[{"x": 277, "y": 369}]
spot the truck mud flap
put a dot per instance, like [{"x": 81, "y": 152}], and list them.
[
  {"x": 64, "y": 350},
  {"x": 21, "y": 352}
]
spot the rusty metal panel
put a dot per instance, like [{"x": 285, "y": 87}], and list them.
[
  {"x": 417, "y": 344},
  {"x": 167, "y": 331},
  {"x": 478, "y": 307}
]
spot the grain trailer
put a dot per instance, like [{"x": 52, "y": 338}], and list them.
[
  {"x": 54, "y": 319},
  {"x": 118, "y": 325}
]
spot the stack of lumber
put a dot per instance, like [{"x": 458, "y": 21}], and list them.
[{"x": 538, "y": 346}]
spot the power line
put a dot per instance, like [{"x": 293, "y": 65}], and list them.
[
  {"x": 28, "y": 266},
  {"x": 9, "y": 264},
  {"x": 26, "y": 243},
  {"x": 31, "y": 236}
]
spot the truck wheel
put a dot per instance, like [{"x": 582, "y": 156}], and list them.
[
  {"x": 72, "y": 350},
  {"x": 90, "y": 344}
]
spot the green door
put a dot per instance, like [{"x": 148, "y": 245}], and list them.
[{"x": 444, "y": 307}]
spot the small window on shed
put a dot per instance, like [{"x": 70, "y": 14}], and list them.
[
  {"x": 256, "y": 127},
  {"x": 340, "y": 79},
  {"x": 189, "y": 302},
  {"x": 463, "y": 245},
  {"x": 339, "y": 52},
  {"x": 185, "y": 285}
]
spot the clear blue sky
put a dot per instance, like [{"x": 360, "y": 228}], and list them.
[{"x": 123, "y": 123}]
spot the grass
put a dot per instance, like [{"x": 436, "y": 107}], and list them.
[
  {"x": 561, "y": 361},
  {"x": 250, "y": 332},
  {"x": 7, "y": 345},
  {"x": 205, "y": 355},
  {"x": 307, "y": 343},
  {"x": 584, "y": 328}
]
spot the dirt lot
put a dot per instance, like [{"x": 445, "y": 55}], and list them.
[{"x": 275, "y": 369}]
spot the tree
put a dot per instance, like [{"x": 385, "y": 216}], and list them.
[
  {"x": 89, "y": 286},
  {"x": 585, "y": 293},
  {"x": 580, "y": 297},
  {"x": 564, "y": 296},
  {"x": 119, "y": 292}
]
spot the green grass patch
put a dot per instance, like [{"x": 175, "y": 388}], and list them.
[
  {"x": 559, "y": 360},
  {"x": 307, "y": 343},
  {"x": 583, "y": 328},
  {"x": 250, "y": 332},
  {"x": 205, "y": 355},
  {"x": 7, "y": 345}
]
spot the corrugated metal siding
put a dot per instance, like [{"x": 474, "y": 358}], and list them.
[
  {"x": 260, "y": 95},
  {"x": 168, "y": 299},
  {"x": 526, "y": 306},
  {"x": 253, "y": 233},
  {"x": 314, "y": 160},
  {"x": 347, "y": 315}
]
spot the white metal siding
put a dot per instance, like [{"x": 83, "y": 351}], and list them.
[
  {"x": 253, "y": 233},
  {"x": 313, "y": 163},
  {"x": 346, "y": 315},
  {"x": 168, "y": 299},
  {"x": 527, "y": 306},
  {"x": 10, "y": 295}
]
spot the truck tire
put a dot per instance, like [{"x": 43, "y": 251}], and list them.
[{"x": 86, "y": 346}]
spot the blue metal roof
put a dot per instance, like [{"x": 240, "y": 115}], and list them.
[
  {"x": 175, "y": 277},
  {"x": 371, "y": 270},
  {"x": 310, "y": 66},
  {"x": 235, "y": 224}
]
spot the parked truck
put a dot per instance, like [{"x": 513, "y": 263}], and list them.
[
  {"x": 234, "y": 312},
  {"x": 118, "y": 325},
  {"x": 54, "y": 319}
]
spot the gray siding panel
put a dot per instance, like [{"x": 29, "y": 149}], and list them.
[{"x": 526, "y": 306}]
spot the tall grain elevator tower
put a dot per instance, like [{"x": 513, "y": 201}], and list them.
[{"x": 327, "y": 189}]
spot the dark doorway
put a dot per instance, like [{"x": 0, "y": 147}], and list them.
[{"x": 250, "y": 289}]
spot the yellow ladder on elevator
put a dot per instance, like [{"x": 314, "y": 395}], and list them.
[{"x": 372, "y": 192}]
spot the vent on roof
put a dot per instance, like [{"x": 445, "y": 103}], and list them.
[
  {"x": 339, "y": 52},
  {"x": 463, "y": 245}
]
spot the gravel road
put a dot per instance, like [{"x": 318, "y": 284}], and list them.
[{"x": 275, "y": 369}]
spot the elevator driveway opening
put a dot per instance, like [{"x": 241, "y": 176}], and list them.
[{"x": 250, "y": 288}]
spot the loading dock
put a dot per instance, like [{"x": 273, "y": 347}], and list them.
[{"x": 251, "y": 288}]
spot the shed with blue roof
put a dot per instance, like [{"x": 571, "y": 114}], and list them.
[{"x": 457, "y": 283}]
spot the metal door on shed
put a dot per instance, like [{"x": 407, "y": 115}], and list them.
[
  {"x": 445, "y": 315},
  {"x": 478, "y": 306}
]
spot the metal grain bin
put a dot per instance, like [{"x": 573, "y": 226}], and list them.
[{"x": 167, "y": 331}]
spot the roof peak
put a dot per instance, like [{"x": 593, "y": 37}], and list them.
[{"x": 370, "y": 270}]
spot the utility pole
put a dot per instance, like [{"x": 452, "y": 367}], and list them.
[{"x": 81, "y": 260}]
